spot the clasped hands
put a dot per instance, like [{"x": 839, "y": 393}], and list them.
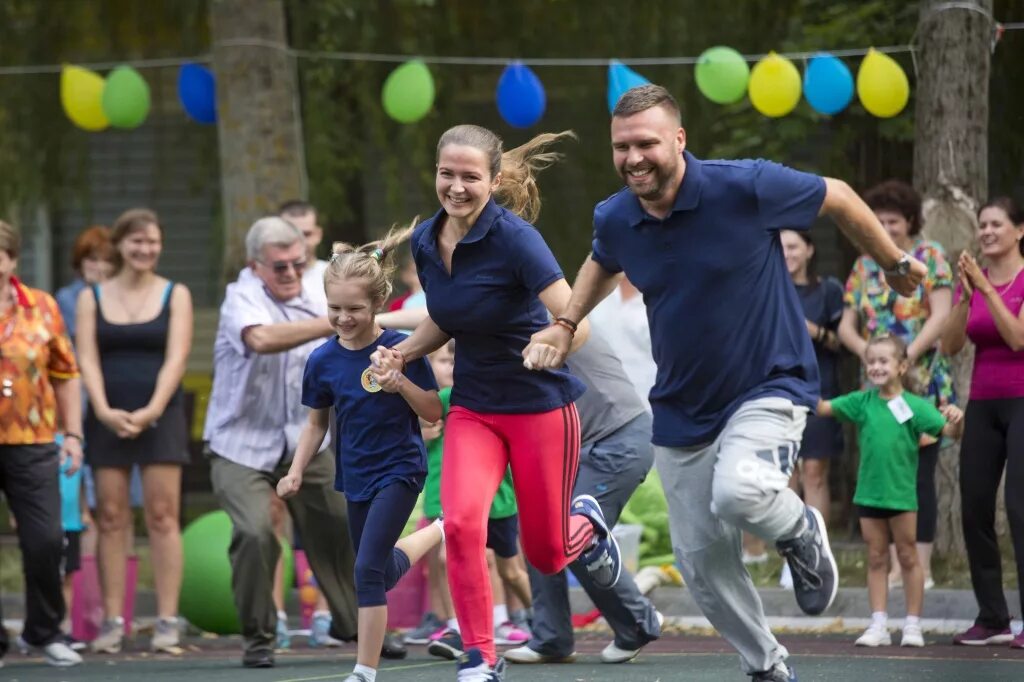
[{"x": 128, "y": 424}]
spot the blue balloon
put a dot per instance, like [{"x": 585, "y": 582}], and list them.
[
  {"x": 520, "y": 95},
  {"x": 620, "y": 79},
  {"x": 198, "y": 93},
  {"x": 828, "y": 84}
]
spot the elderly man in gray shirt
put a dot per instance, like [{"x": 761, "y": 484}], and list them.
[{"x": 268, "y": 327}]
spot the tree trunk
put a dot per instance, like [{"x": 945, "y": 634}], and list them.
[
  {"x": 951, "y": 172},
  {"x": 258, "y": 119}
]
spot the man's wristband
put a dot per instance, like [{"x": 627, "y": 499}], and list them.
[
  {"x": 76, "y": 436},
  {"x": 567, "y": 323}
]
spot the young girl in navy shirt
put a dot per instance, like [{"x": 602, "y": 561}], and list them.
[
  {"x": 381, "y": 459},
  {"x": 490, "y": 283}
]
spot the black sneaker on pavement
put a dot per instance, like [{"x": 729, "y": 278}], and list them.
[
  {"x": 780, "y": 673},
  {"x": 473, "y": 667},
  {"x": 448, "y": 645},
  {"x": 815, "y": 575}
]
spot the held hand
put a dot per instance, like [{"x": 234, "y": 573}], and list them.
[
  {"x": 289, "y": 485},
  {"x": 71, "y": 449},
  {"x": 953, "y": 414},
  {"x": 547, "y": 348},
  {"x": 390, "y": 381},
  {"x": 384, "y": 359},
  {"x": 120, "y": 422},
  {"x": 905, "y": 285}
]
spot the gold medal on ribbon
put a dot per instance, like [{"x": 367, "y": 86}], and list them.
[{"x": 369, "y": 381}]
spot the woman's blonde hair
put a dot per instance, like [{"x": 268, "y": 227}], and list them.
[
  {"x": 517, "y": 190},
  {"x": 373, "y": 262}
]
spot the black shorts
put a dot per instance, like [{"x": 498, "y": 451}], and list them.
[
  {"x": 503, "y": 536},
  {"x": 823, "y": 438},
  {"x": 71, "y": 557},
  {"x": 866, "y": 512}
]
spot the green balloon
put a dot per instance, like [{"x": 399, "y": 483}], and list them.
[
  {"x": 722, "y": 75},
  {"x": 126, "y": 98},
  {"x": 408, "y": 92},
  {"x": 206, "y": 598}
]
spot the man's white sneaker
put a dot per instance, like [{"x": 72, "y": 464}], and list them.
[
  {"x": 60, "y": 655},
  {"x": 874, "y": 636},
  {"x": 912, "y": 636},
  {"x": 613, "y": 654}
]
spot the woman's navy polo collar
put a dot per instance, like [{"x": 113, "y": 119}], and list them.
[
  {"x": 687, "y": 197},
  {"x": 480, "y": 228}
]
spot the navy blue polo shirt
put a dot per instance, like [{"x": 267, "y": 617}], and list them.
[
  {"x": 489, "y": 305},
  {"x": 726, "y": 322},
  {"x": 379, "y": 439}
]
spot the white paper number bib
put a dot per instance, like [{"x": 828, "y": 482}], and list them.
[{"x": 900, "y": 410}]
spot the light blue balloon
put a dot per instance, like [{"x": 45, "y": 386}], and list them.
[
  {"x": 620, "y": 79},
  {"x": 828, "y": 84},
  {"x": 520, "y": 96}
]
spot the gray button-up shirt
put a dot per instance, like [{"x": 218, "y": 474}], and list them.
[{"x": 256, "y": 413}]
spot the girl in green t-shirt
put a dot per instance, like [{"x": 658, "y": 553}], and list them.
[{"x": 891, "y": 424}]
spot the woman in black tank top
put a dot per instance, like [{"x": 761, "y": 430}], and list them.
[{"x": 134, "y": 336}]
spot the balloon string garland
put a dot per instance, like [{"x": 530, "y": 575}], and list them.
[{"x": 774, "y": 85}]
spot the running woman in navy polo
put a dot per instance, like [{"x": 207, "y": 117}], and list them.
[
  {"x": 381, "y": 459},
  {"x": 736, "y": 370},
  {"x": 490, "y": 283}
]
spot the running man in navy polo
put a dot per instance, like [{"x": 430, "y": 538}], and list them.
[
  {"x": 490, "y": 282},
  {"x": 736, "y": 370}
]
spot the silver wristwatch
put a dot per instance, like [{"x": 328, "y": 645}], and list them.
[{"x": 902, "y": 267}]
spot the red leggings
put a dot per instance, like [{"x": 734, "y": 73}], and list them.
[{"x": 543, "y": 450}]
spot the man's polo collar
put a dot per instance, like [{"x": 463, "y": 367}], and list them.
[{"x": 688, "y": 196}]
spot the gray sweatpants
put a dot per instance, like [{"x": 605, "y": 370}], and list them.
[
  {"x": 738, "y": 482},
  {"x": 610, "y": 470}
]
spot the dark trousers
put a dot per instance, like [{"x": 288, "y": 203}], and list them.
[
  {"x": 927, "y": 496},
  {"x": 610, "y": 470},
  {"x": 993, "y": 441},
  {"x": 375, "y": 526},
  {"x": 320, "y": 514},
  {"x": 28, "y": 478}
]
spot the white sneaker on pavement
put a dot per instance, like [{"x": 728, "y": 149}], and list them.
[
  {"x": 874, "y": 636},
  {"x": 912, "y": 636},
  {"x": 60, "y": 655}
]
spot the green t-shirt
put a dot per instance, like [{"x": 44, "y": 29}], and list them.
[
  {"x": 887, "y": 476},
  {"x": 504, "y": 504}
]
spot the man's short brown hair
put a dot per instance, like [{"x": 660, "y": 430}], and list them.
[{"x": 645, "y": 97}]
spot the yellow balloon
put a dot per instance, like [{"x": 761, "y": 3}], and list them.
[
  {"x": 882, "y": 85},
  {"x": 81, "y": 94},
  {"x": 775, "y": 86}
]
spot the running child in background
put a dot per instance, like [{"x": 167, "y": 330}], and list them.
[
  {"x": 890, "y": 425},
  {"x": 381, "y": 456}
]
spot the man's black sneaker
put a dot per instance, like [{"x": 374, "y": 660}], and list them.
[
  {"x": 815, "y": 576},
  {"x": 780, "y": 673}
]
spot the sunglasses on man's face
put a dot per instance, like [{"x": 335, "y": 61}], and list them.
[{"x": 281, "y": 267}]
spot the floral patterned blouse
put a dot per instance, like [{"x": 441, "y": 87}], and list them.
[
  {"x": 34, "y": 348},
  {"x": 880, "y": 310}
]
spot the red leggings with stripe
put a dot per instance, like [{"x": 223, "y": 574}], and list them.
[{"x": 543, "y": 450}]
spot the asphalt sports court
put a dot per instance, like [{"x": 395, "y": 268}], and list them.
[{"x": 674, "y": 657}]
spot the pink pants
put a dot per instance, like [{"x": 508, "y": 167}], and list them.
[{"x": 543, "y": 450}]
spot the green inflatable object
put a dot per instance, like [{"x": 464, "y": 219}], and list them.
[
  {"x": 722, "y": 75},
  {"x": 408, "y": 92},
  {"x": 206, "y": 598},
  {"x": 126, "y": 98}
]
